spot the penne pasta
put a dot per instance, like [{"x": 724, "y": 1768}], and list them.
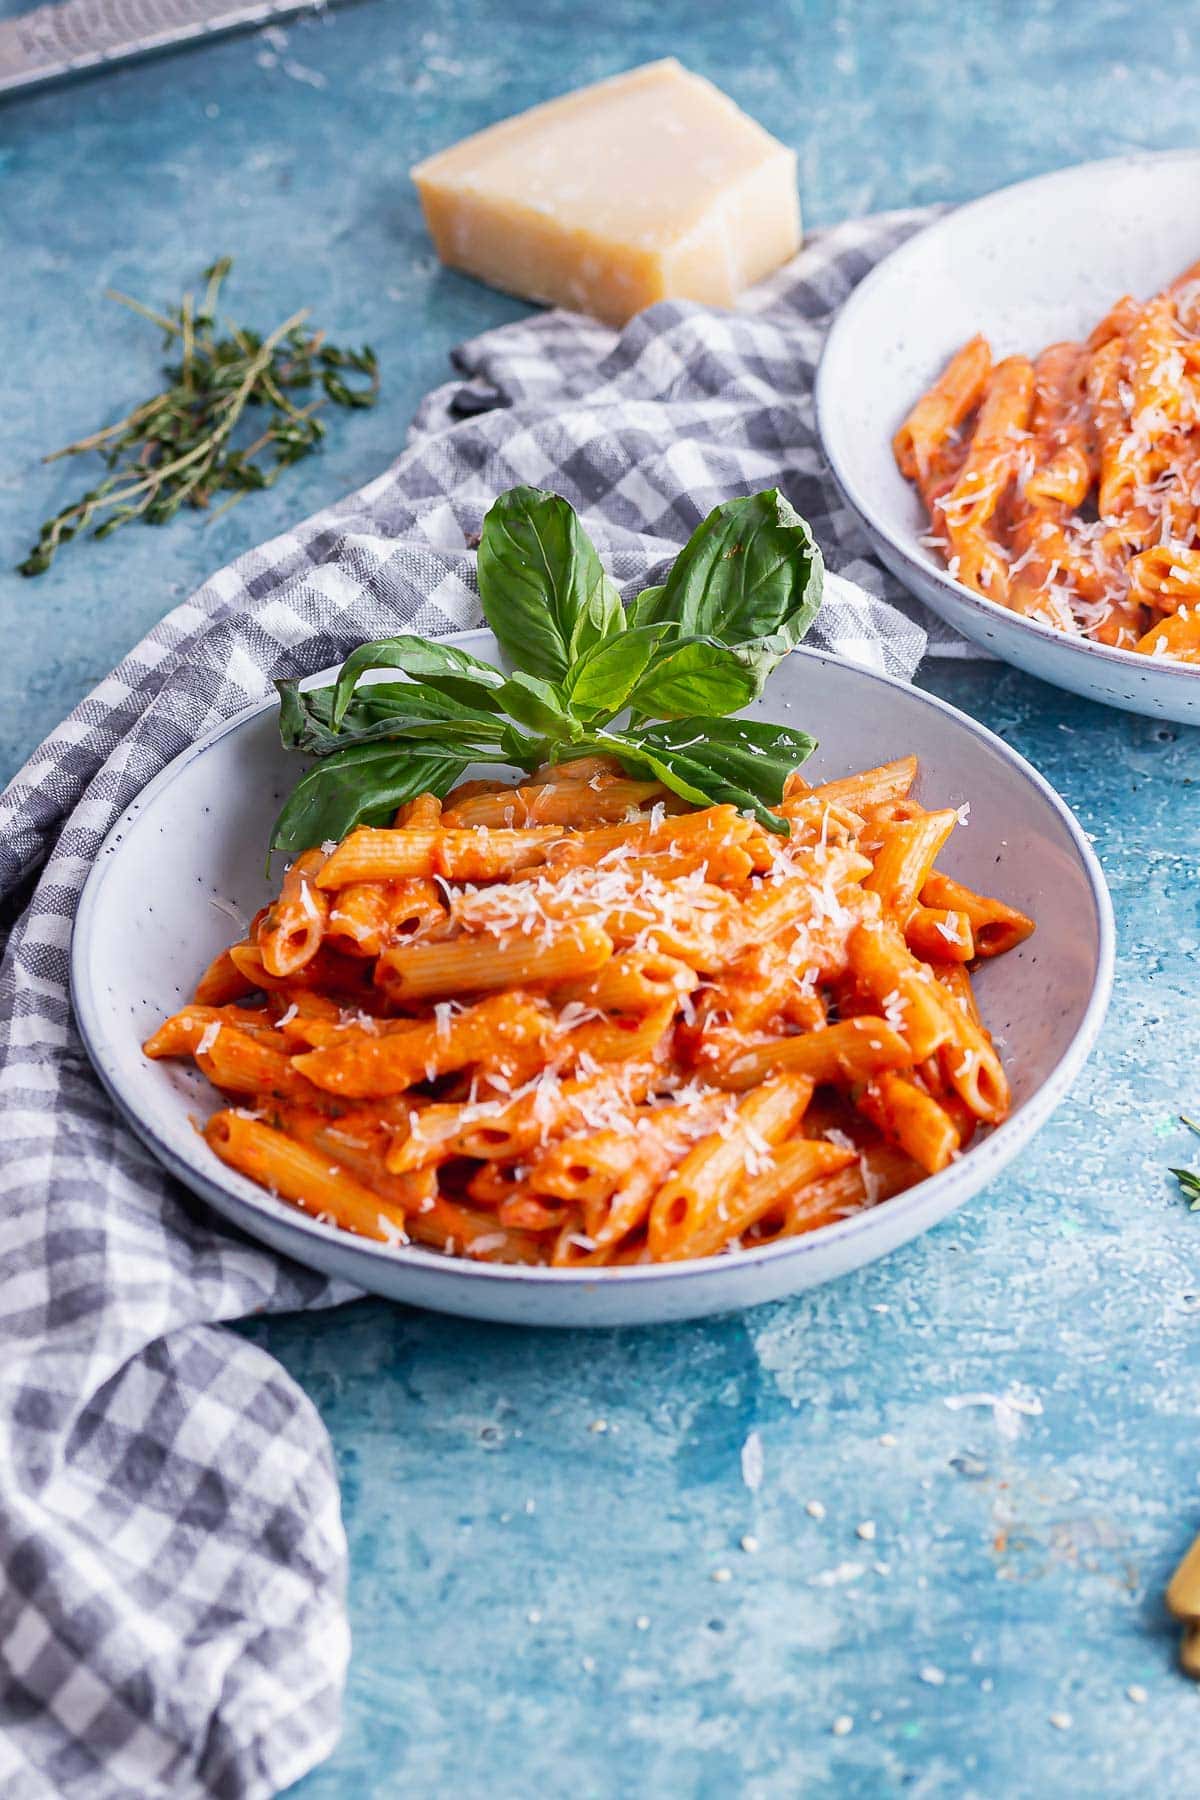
[
  {"x": 369, "y": 1066},
  {"x": 971, "y": 1067},
  {"x": 794, "y": 1167},
  {"x": 911, "y": 1119},
  {"x": 715, "y": 827},
  {"x": 690, "y": 1200},
  {"x": 995, "y": 927},
  {"x": 359, "y": 921},
  {"x": 878, "y": 1173},
  {"x": 991, "y": 461},
  {"x": 500, "y": 1130},
  {"x": 588, "y": 1168},
  {"x": 572, "y": 1022},
  {"x": 458, "y": 1230},
  {"x": 906, "y": 859},
  {"x": 357, "y": 1142},
  {"x": 328, "y": 971},
  {"x": 222, "y": 982},
  {"x": 290, "y": 935},
  {"x": 185, "y": 1031},
  {"x": 942, "y": 409},
  {"x": 617, "y": 1037},
  {"x": 422, "y": 813},
  {"x": 1067, "y": 489},
  {"x": 958, "y": 982},
  {"x": 414, "y": 972},
  {"x": 888, "y": 973},
  {"x": 1178, "y": 636},
  {"x": 1063, "y": 457},
  {"x": 636, "y": 981},
  {"x": 600, "y": 800},
  {"x": 940, "y": 933},
  {"x": 890, "y": 781},
  {"x": 847, "y": 1052},
  {"x": 304, "y": 1176},
  {"x": 369, "y": 854},
  {"x": 1166, "y": 576}
]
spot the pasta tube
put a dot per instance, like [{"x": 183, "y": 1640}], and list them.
[
  {"x": 691, "y": 1198},
  {"x": 304, "y": 1176}
]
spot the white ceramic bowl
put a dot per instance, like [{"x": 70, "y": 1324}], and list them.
[
  {"x": 1029, "y": 265},
  {"x": 156, "y": 908}
]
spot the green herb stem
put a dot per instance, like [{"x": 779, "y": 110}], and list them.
[{"x": 180, "y": 446}]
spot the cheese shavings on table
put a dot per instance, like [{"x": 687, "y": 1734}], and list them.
[{"x": 650, "y": 186}]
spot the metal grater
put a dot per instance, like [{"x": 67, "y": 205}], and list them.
[{"x": 78, "y": 35}]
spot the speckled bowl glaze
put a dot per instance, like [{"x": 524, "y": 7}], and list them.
[
  {"x": 183, "y": 869},
  {"x": 1027, "y": 266}
]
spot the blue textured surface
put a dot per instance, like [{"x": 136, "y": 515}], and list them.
[{"x": 533, "y": 1599}]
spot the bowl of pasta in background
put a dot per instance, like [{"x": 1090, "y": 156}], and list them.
[
  {"x": 188, "y": 854},
  {"x": 1026, "y": 267}
]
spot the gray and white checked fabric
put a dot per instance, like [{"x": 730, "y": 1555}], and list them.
[{"x": 174, "y": 1565}]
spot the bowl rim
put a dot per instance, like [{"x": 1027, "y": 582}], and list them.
[
  {"x": 1011, "y": 1135},
  {"x": 825, "y": 407}
]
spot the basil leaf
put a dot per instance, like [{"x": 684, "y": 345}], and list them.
[
  {"x": 750, "y": 752},
  {"x": 523, "y": 752},
  {"x": 451, "y": 671},
  {"x": 360, "y": 786},
  {"x": 752, "y": 570},
  {"x": 405, "y": 699},
  {"x": 304, "y": 719},
  {"x": 537, "y": 704},
  {"x": 685, "y": 773},
  {"x": 541, "y": 584},
  {"x": 644, "y": 609},
  {"x": 696, "y": 676},
  {"x": 736, "y": 762},
  {"x": 641, "y": 759},
  {"x": 601, "y": 682},
  {"x": 293, "y": 715},
  {"x": 383, "y": 710}
]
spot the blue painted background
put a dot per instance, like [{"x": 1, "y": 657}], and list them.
[{"x": 533, "y": 1600}]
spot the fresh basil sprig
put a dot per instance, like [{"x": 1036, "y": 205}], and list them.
[{"x": 686, "y": 655}]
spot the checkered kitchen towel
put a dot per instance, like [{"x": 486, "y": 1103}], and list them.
[{"x": 174, "y": 1566}]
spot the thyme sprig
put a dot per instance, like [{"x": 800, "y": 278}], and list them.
[
  {"x": 179, "y": 447},
  {"x": 1189, "y": 1179}
]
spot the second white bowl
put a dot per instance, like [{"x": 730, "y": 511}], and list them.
[{"x": 1027, "y": 266}]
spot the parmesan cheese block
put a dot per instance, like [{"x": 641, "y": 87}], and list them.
[{"x": 649, "y": 186}]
